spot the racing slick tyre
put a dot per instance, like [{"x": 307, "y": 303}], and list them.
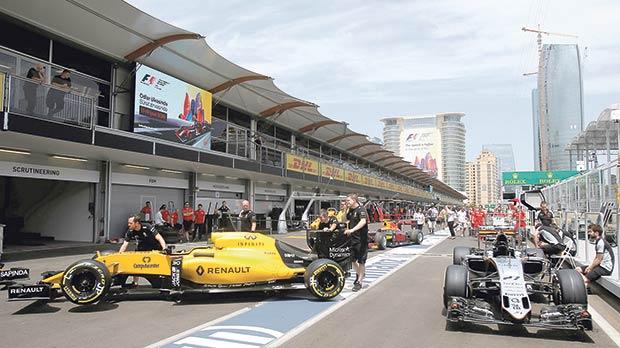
[
  {"x": 324, "y": 279},
  {"x": 381, "y": 240},
  {"x": 86, "y": 282},
  {"x": 535, "y": 252},
  {"x": 455, "y": 283},
  {"x": 570, "y": 288},
  {"x": 459, "y": 253},
  {"x": 417, "y": 237}
]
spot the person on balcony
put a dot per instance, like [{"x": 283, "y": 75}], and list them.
[
  {"x": 61, "y": 85},
  {"x": 36, "y": 75}
]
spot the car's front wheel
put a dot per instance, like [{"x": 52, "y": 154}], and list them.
[
  {"x": 569, "y": 288},
  {"x": 86, "y": 282},
  {"x": 455, "y": 283},
  {"x": 324, "y": 279},
  {"x": 381, "y": 240}
]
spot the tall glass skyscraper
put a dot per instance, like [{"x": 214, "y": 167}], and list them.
[
  {"x": 504, "y": 154},
  {"x": 561, "y": 110}
]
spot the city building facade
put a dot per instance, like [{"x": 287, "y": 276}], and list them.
[{"x": 483, "y": 181}]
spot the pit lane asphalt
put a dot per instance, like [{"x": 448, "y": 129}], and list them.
[
  {"x": 405, "y": 310},
  {"x": 402, "y": 311}
]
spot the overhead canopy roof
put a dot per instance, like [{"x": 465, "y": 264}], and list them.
[
  {"x": 120, "y": 31},
  {"x": 601, "y": 134}
]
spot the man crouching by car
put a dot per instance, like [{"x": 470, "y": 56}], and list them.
[
  {"x": 603, "y": 263},
  {"x": 146, "y": 237}
]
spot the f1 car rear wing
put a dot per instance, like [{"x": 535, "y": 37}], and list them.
[{"x": 311, "y": 198}]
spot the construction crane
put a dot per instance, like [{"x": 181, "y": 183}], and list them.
[{"x": 541, "y": 91}]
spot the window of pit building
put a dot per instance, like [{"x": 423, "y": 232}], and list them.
[
  {"x": 238, "y": 118},
  {"x": 23, "y": 38},
  {"x": 77, "y": 59}
]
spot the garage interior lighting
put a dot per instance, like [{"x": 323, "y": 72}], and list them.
[
  {"x": 70, "y": 158},
  {"x": 231, "y": 177},
  {"x": 15, "y": 151},
  {"x": 171, "y": 171},
  {"x": 136, "y": 167}
]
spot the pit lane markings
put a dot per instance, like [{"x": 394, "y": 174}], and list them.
[
  {"x": 609, "y": 330},
  {"x": 291, "y": 315}
]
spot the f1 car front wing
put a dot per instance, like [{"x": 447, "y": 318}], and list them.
[{"x": 567, "y": 317}]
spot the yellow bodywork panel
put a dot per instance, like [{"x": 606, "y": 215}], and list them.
[{"x": 235, "y": 258}]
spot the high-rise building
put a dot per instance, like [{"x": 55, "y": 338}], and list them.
[
  {"x": 452, "y": 149},
  {"x": 483, "y": 179},
  {"x": 433, "y": 143},
  {"x": 536, "y": 128},
  {"x": 470, "y": 182},
  {"x": 559, "y": 114},
  {"x": 504, "y": 154}
]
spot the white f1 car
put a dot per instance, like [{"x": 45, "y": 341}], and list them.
[{"x": 499, "y": 283}]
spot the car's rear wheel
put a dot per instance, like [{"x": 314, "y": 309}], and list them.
[
  {"x": 381, "y": 240},
  {"x": 569, "y": 288},
  {"x": 417, "y": 237},
  {"x": 459, "y": 253},
  {"x": 324, "y": 279},
  {"x": 86, "y": 282},
  {"x": 455, "y": 283}
]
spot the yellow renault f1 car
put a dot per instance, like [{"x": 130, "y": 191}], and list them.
[{"x": 238, "y": 261}]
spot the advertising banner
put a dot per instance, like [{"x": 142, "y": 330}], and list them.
[
  {"x": 422, "y": 147},
  {"x": 329, "y": 171},
  {"x": 353, "y": 177},
  {"x": 170, "y": 109},
  {"x": 536, "y": 178},
  {"x": 301, "y": 165}
]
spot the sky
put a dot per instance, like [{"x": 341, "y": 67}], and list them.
[{"x": 364, "y": 60}]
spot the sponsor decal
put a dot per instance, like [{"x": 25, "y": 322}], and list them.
[
  {"x": 175, "y": 272},
  {"x": 28, "y": 290},
  {"x": 250, "y": 236},
  {"x": 228, "y": 270},
  {"x": 250, "y": 244},
  {"x": 146, "y": 264},
  {"x": 14, "y": 273}
]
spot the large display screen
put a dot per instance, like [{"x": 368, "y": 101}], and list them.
[
  {"x": 422, "y": 147},
  {"x": 171, "y": 109}
]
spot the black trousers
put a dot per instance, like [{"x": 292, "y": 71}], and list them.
[
  {"x": 200, "y": 229},
  {"x": 451, "y": 228}
]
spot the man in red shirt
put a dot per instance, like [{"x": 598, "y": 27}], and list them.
[
  {"x": 188, "y": 220},
  {"x": 199, "y": 222},
  {"x": 165, "y": 215},
  {"x": 519, "y": 216},
  {"x": 147, "y": 213}
]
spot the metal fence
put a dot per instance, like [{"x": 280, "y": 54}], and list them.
[
  {"x": 579, "y": 201},
  {"x": 40, "y": 100}
]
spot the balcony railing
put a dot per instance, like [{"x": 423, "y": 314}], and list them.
[{"x": 40, "y": 100}]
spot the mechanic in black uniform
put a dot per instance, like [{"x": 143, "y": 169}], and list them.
[
  {"x": 145, "y": 236},
  {"x": 327, "y": 223},
  {"x": 545, "y": 216},
  {"x": 358, "y": 231},
  {"x": 247, "y": 217}
]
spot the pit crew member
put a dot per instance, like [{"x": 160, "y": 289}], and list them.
[
  {"x": 358, "y": 231},
  {"x": 603, "y": 263}
]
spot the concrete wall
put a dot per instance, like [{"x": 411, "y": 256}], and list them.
[{"x": 127, "y": 200}]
